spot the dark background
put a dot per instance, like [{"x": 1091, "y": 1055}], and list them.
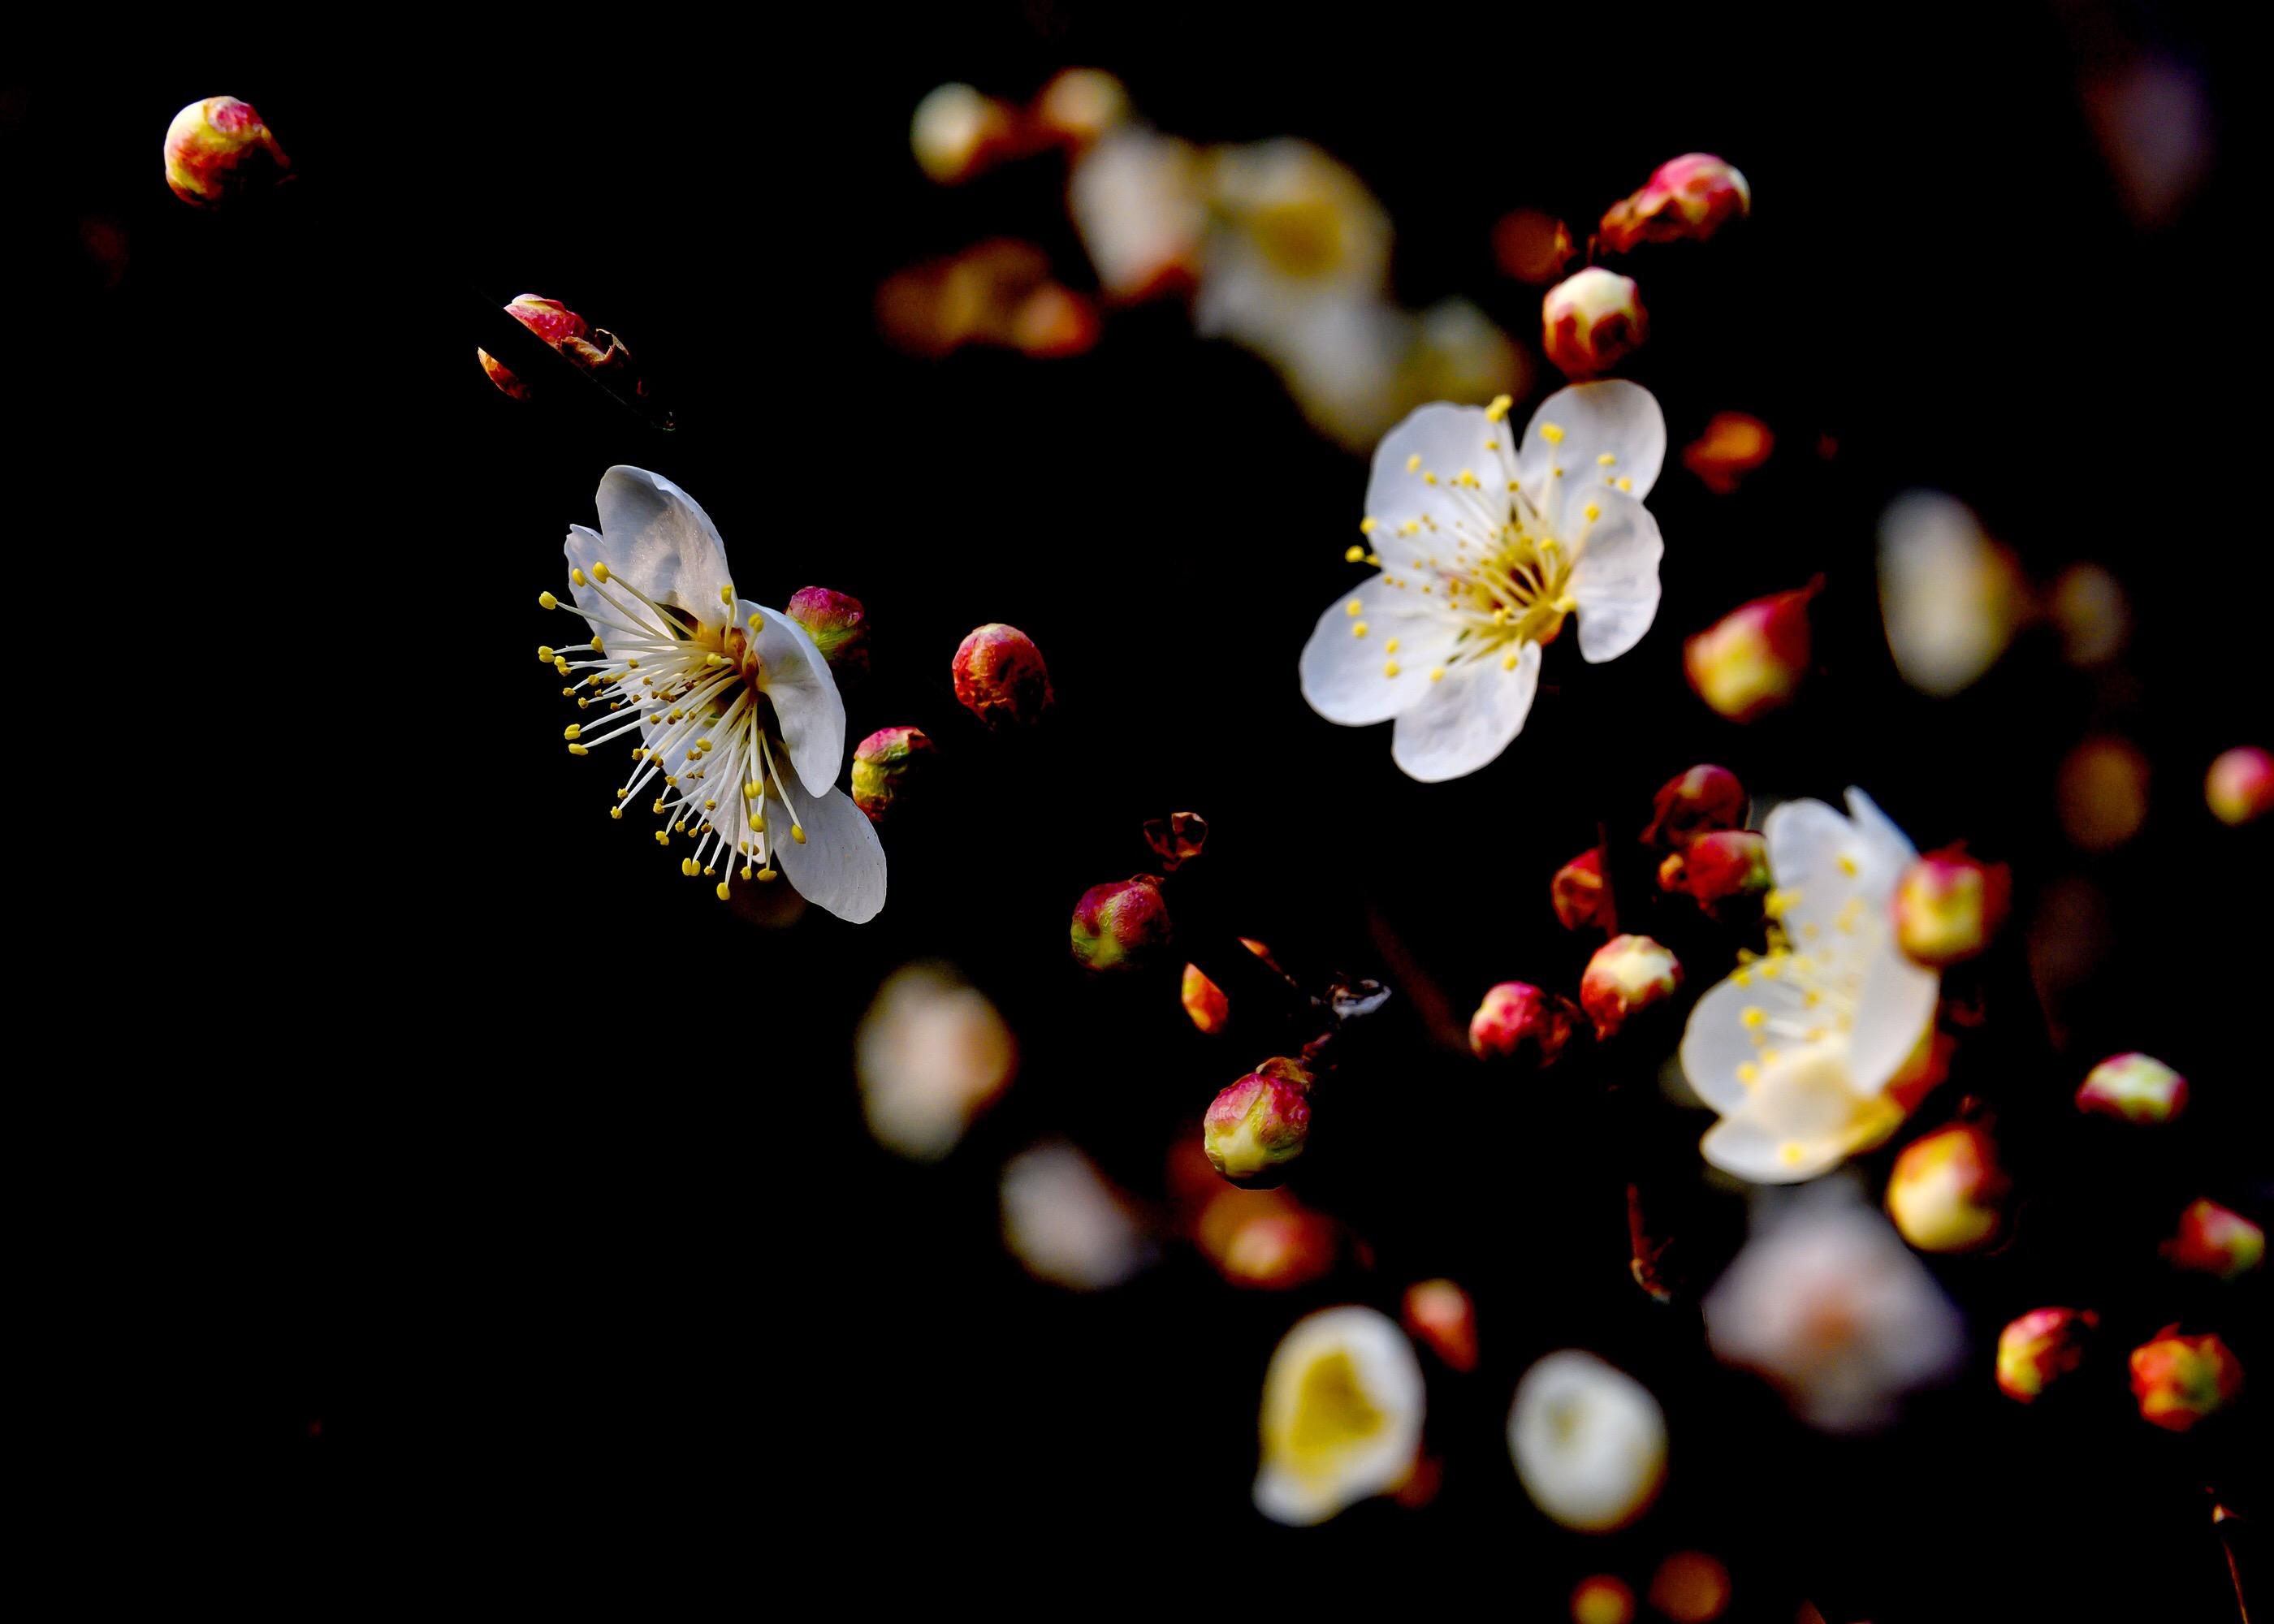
[{"x": 436, "y": 1218}]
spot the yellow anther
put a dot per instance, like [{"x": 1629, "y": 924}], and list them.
[
  {"x": 723, "y": 892},
  {"x": 749, "y": 791},
  {"x": 546, "y": 600},
  {"x": 1436, "y": 673},
  {"x": 578, "y": 749},
  {"x": 797, "y": 833},
  {"x": 1429, "y": 478},
  {"x": 1366, "y": 526},
  {"x": 1748, "y": 1073},
  {"x": 571, "y": 730},
  {"x": 576, "y": 575},
  {"x": 631, "y": 665},
  {"x": 1507, "y": 662},
  {"x": 1499, "y": 408},
  {"x": 546, "y": 655},
  {"x": 1791, "y": 1153},
  {"x": 1743, "y": 975},
  {"x": 710, "y": 806},
  {"x": 689, "y": 867},
  {"x": 1353, "y": 555},
  {"x": 1771, "y": 967},
  {"x": 1593, "y": 512},
  {"x": 748, "y": 873},
  {"x": 600, "y": 573},
  {"x": 1355, "y": 608},
  {"x": 1413, "y": 462},
  {"x": 1552, "y": 433},
  {"x": 1625, "y": 484},
  {"x": 1391, "y": 646},
  {"x": 726, "y": 595},
  {"x": 617, "y": 812},
  {"x": 662, "y": 836},
  {"x": 1755, "y": 1017},
  {"x": 1390, "y": 669},
  {"x": 758, "y": 821},
  {"x": 766, "y": 873},
  {"x": 1358, "y": 629},
  {"x": 1847, "y": 865},
  {"x": 596, "y": 649},
  {"x": 1778, "y": 902}
]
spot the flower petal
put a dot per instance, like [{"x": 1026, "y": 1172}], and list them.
[
  {"x": 1748, "y": 1149},
  {"x": 1615, "y": 581},
  {"x": 1345, "y": 675},
  {"x": 1465, "y": 720},
  {"x": 656, "y": 537},
  {"x": 1717, "y": 1041},
  {"x": 1893, "y": 1007},
  {"x": 1430, "y": 493},
  {"x": 797, "y": 679},
  {"x": 840, "y": 866},
  {"x": 1577, "y": 427},
  {"x": 1818, "y": 858},
  {"x": 1804, "y": 1116}
]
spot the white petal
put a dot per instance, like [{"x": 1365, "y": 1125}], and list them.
[
  {"x": 804, "y": 693},
  {"x": 1450, "y": 442},
  {"x": 1807, "y": 841},
  {"x": 1613, "y": 419},
  {"x": 1717, "y": 1041},
  {"x": 1299, "y": 1487},
  {"x": 840, "y": 867},
  {"x": 1745, "y": 1149},
  {"x": 1345, "y": 676},
  {"x": 656, "y": 537},
  {"x": 1893, "y": 1008},
  {"x": 1890, "y": 847},
  {"x": 1615, "y": 581},
  {"x": 1467, "y": 720}
]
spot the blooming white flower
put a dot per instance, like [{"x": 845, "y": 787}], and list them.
[
  {"x": 1588, "y": 1439},
  {"x": 1796, "y": 1050},
  {"x": 1828, "y": 1303},
  {"x": 1137, "y": 202},
  {"x": 1341, "y": 1415},
  {"x": 1486, "y": 544},
  {"x": 1066, "y": 1223},
  {"x": 932, "y": 1053},
  {"x": 1290, "y": 231},
  {"x": 737, "y": 723}
]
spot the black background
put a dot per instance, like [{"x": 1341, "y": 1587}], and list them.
[{"x": 439, "y": 1149}]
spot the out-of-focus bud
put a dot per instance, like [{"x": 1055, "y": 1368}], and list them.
[
  {"x": 2179, "y": 1380},
  {"x": 2133, "y": 1087},
  {"x": 2041, "y": 1347},
  {"x": 1053, "y": 322},
  {"x": 1602, "y": 1598},
  {"x": 2102, "y": 789},
  {"x": 1753, "y": 658},
  {"x": 1203, "y": 1000},
  {"x": 1136, "y": 200},
  {"x": 1627, "y": 975},
  {"x": 1732, "y": 445},
  {"x": 1341, "y": 1415},
  {"x": 1066, "y": 1223},
  {"x": 218, "y": 149},
  {"x": 1440, "y": 1316},
  {"x": 1948, "y": 905},
  {"x": 1690, "y": 1587},
  {"x": 1531, "y": 246},
  {"x": 1947, "y": 1192},
  {"x": 1263, "y": 1239},
  {"x": 2216, "y": 1240},
  {"x": 1590, "y": 321},
  {"x": 1704, "y": 799},
  {"x": 957, "y": 132},
  {"x": 1121, "y": 926},
  {"x": 1950, "y": 597},
  {"x": 885, "y": 764},
  {"x": 1080, "y": 104},
  {"x": 2241, "y": 785},
  {"x": 1589, "y": 1441},
  {"x": 1581, "y": 895},
  {"x": 1716, "y": 867},
  {"x": 1692, "y": 196},
  {"x": 931, "y": 1054},
  {"x": 1517, "y": 1022},
  {"x": 1260, "y": 1124},
  {"x": 550, "y": 320},
  {"x": 838, "y": 624},
  {"x": 1000, "y": 677},
  {"x": 2090, "y": 611}
]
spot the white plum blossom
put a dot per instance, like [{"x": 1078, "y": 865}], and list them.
[
  {"x": 1484, "y": 545},
  {"x": 1589, "y": 1441},
  {"x": 1343, "y": 1406},
  {"x": 1796, "y": 1050},
  {"x": 1951, "y": 598},
  {"x": 1066, "y": 1223},
  {"x": 931, "y": 1054},
  {"x": 736, "y": 725}
]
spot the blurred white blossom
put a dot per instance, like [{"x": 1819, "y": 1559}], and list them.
[
  {"x": 1589, "y": 1441},
  {"x": 1066, "y": 1223},
  {"x": 931, "y": 1054},
  {"x": 1342, "y": 1414}
]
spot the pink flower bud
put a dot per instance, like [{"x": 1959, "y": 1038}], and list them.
[
  {"x": 1581, "y": 896},
  {"x": 1627, "y": 975},
  {"x": 550, "y": 320},
  {"x": 2241, "y": 785},
  {"x": 956, "y": 132},
  {"x": 218, "y": 149},
  {"x": 1204, "y": 1001},
  {"x": 1752, "y": 659},
  {"x": 1947, "y": 1192},
  {"x": 2133, "y": 1087},
  {"x": 1692, "y": 196},
  {"x": 1732, "y": 445},
  {"x": 1000, "y": 677},
  {"x": 1440, "y": 1316},
  {"x": 885, "y": 763},
  {"x": 1260, "y": 1124},
  {"x": 1716, "y": 867},
  {"x": 2040, "y": 1347},
  {"x": 838, "y": 624},
  {"x": 1122, "y": 926},
  {"x": 2216, "y": 1240},
  {"x": 1080, "y": 105},
  {"x": 1517, "y": 1022},
  {"x": 1704, "y": 799},
  {"x": 2180, "y": 1379},
  {"x": 1592, "y": 321},
  {"x": 1948, "y": 905}
]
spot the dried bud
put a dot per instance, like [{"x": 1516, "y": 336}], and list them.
[
  {"x": 2041, "y": 1345},
  {"x": 1627, "y": 975},
  {"x": 1581, "y": 896},
  {"x": 1716, "y": 867},
  {"x": 957, "y": 132},
  {"x": 550, "y": 320},
  {"x": 1948, "y": 905},
  {"x": 1692, "y": 196},
  {"x": 1257, "y": 1126},
  {"x": 2180, "y": 1379},
  {"x": 1080, "y": 105},
  {"x": 217, "y": 149},
  {"x": 1519, "y": 1022},
  {"x": 1732, "y": 445},
  {"x": 838, "y": 624},
  {"x": 2241, "y": 785},
  {"x": 1752, "y": 659},
  {"x": 1531, "y": 246},
  {"x": 2133, "y": 1087},
  {"x": 1704, "y": 799},
  {"x": 2216, "y": 1240},
  {"x": 1176, "y": 841},
  {"x": 885, "y": 763},
  {"x": 1440, "y": 1316},
  {"x": 1000, "y": 677},
  {"x": 1592, "y": 321},
  {"x": 1121, "y": 926},
  {"x": 1946, "y": 1190},
  {"x": 1204, "y": 1001}
]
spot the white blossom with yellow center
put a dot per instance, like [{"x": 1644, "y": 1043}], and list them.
[
  {"x": 736, "y": 727},
  {"x": 1796, "y": 1049},
  {"x": 1484, "y": 545},
  {"x": 1341, "y": 1415}
]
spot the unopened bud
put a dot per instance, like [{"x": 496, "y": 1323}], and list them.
[
  {"x": 1581, "y": 896},
  {"x": 2133, "y": 1087},
  {"x": 1592, "y": 321},
  {"x": 2216, "y": 1240},
  {"x": 1704, "y": 799},
  {"x": 2241, "y": 785},
  {"x": 2179, "y": 1380},
  {"x": 550, "y": 320},
  {"x": 1947, "y": 1192},
  {"x": 1440, "y": 1316},
  {"x": 1000, "y": 677},
  {"x": 1692, "y": 196},
  {"x": 218, "y": 149},
  {"x": 838, "y": 624},
  {"x": 1258, "y": 1125},
  {"x": 1627, "y": 975},
  {"x": 1713, "y": 868},
  {"x": 1948, "y": 905},
  {"x": 1204, "y": 1001},
  {"x": 2039, "y": 1347},
  {"x": 956, "y": 132},
  {"x": 1752, "y": 659},
  {"x": 1732, "y": 445},
  {"x": 1517, "y": 1022},
  {"x": 1121, "y": 926},
  {"x": 1080, "y": 105},
  {"x": 885, "y": 764},
  {"x": 1602, "y": 1598},
  {"x": 1531, "y": 246}
]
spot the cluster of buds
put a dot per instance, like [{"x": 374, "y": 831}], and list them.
[
  {"x": 1627, "y": 975},
  {"x": 958, "y": 132},
  {"x": 1256, "y": 1126},
  {"x": 1518, "y": 1023},
  {"x": 1948, "y": 905},
  {"x": 2039, "y": 1347},
  {"x": 1753, "y": 658},
  {"x": 1582, "y": 897},
  {"x": 886, "y": 764},
  {"x": 1732, "y": 445},
  {"x": 2240, "y": 787},
  {"x": 1592, "y": 321},
  {"x": 2133, "y": 1087},
  {"x": 2179, "y": 1381},
  {"x": 1000, "y": 677},
  {"x": 1440, "y": 1316},
  {"x": 1123, "y": 925},
  {"x": 1946, "y": 1192},
  {"x": 2216, "y": 1240},
  {"x": 1691, "y": 197},
  {"x": 218, "y": 149},
  {"x": 838, "y": 624}
]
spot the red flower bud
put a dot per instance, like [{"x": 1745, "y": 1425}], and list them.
[
  {"x": 885, "y": 763},
  {"x": 1000, "y": 677},
  {"x": 838, "y": 624},
  {"x": 1692, "y": 196},
  {"x": 2040, "y": 1347},
  {"x": 1581, "y": 896},
  {"x": 1752, "y": 659},
  {"x": 1946, "y": 1190},
  {"x": 2133, "y": 1087},
  {"x": 1627, "y": 975},
  {"x": 1732, "y": 447},
  {"x": 550, "y": 320},
  {"x": 1519, "y": 1022},
  {"x": 1592, "y": 321},
  {"x": 1260, "y": 1124},
  {"x": 2216, "y": 1240},
  {"x": 1704, "y": 799},
  {"x": 2179, "y": 1380},
  {"x": 1440, "y": 1316},
  {"x": 1122, "y": 926},
  {"x": 2241, "y": 785},
  {"x": 1716, "y": 867},
  {"x": 1948, "y": 905},
  {"x": 218, "y": 149}
]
